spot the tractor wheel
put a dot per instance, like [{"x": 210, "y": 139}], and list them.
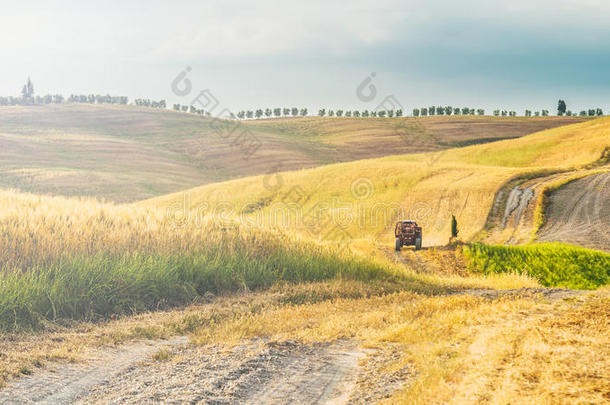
[
  {"x": 417, "y": 243},
  {"x": 398, "y": 244}
]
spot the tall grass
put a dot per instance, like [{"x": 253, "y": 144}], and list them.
[
  {"x": 80, "y": 259},
  {"x": 553, "y": 264}
]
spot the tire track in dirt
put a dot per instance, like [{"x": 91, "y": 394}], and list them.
[
  {"x": 253, "y": 372},
  {"x": 579, "y": 213},
  {"x": 65, "y": 383}
]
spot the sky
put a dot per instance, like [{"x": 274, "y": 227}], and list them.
[{"x": 335, "y": 54}]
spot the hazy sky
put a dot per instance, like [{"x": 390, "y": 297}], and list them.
[{"x": 510, "y": 54}]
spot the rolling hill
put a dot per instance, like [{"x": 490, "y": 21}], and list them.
[
  {"x": 126, "y": 154},
  {"x": 365, "y": 197},
  {"x": 68, "y": 262}
]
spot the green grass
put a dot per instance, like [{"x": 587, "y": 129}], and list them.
[
  {"x": 82, "y": 287},
  {"x": 553, "y": 264}
]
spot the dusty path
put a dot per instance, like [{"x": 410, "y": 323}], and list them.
[
  {"x": 253, "y": 372},
  {"x": 66, "y": 382},
  {"x": 579, "y": 213}
]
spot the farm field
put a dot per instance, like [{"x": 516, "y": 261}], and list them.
[
  {"x": 125, "y": 154},
  {"x": 368, "y": 195},
  {"x": 252, "y": 284},
  {"x": 304, "y": 203}
]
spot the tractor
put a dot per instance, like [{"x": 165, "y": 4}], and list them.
[{"x": 408, "y": 233}]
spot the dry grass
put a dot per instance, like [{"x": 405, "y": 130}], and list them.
[
  {"x": 426, "y": 187},
  {"x": 127, "y": 153},
  {"x": 464, "y": 349}
]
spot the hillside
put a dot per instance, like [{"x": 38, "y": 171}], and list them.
[
  {"x": 171, "y": 299},
  {"x": 365, "y": 197},
  {"x": 128, "y": 153}
]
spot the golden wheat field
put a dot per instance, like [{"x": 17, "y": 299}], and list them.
[
  {"x": 304, "y": 203},
  {"x": 366, "y": 196},
  {"x": 79, "y": 274}
]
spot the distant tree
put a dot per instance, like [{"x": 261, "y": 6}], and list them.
[
  {"x": 339, "y": 113},
  {"x": 496, "y": 113},
  {"x": 528, "y": 113},
  {"x": 398, "y": 113},
  {"x": 569, "y": 113},
  {"x": 465, "y": 110},
  {"x": 322, "y": 112},
  {"x": 390, "y": 113},
  {"x": 259, "y": 113},
  {"x": 583, "y": 113},
  {"x": 331, "y": 113},
  {"x": 241, "y": 115},
  {"x": 512, "y": 113},
  {"x": 424, "y": 112},
  {"x": 561, "y": 107},
  {"x": 303, "y": 112},
  {"x": 545, "y": 113},
  {"x": 27, "y": 92},
  {"x": 480, "y": 111},
  {"x": 454, "y": 227},
  {"x": 591, "y": 112},
  {"x": 381, "y": 113},
  {"x": 286, "y": 112},
  {"x": 599, "y": 112},
  {"x": 448, "y": 110},
  {"x": 440, "y": 110},
  {"x": 268, "y": 112},
  {"x": 277, "y": 112},
  {"x": 416, "y": 112},
  {"x": 504, "y": 113},
  {"x": 348, "y": 113},
  {"x": 294, "y": 111},
  {"x": 58, "y": 99},
  {"x": 537, "y": 114},
  {"x": 456, "y": 111},
  {"x": 185, "y": 108},
  {"x": 356, "y": 113},
  {"x": 365, "y": 113},
  {"x": 373, "y": 113},
  {"x": 249, "y": 114}
]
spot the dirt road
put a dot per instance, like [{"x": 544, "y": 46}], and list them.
[
  {"x": 579, "y": 213},
  {"x": 254, "y": 372}
]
